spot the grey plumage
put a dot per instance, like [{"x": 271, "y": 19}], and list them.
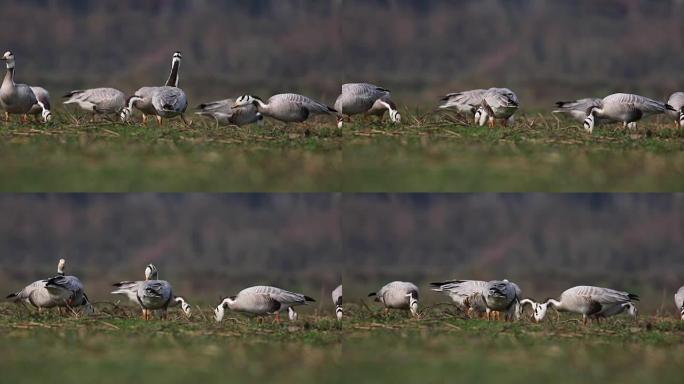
[
  {"x": 468, "y": 295},
  {"x": 358, "y": 98},
  {"x": 169, "y": 102},
  {"x": 15, "y": 98},
  {"x": 222, "y": 112},
  {"x": 465, "y": 102},
  {"x": 337, "y": 300},
  {"x": 98, "y": 100},
  {"x": 497, "y": 104},
  {"x": 676, "y": 101},
  {"x": 577, "y": 109},
  {"x": 503, "y": 296},
  {"x": 679, "y": 301},
  {"x": 624, "y": 107},
  {"x": 287, "y": 107},
  {"x": 398, "y": 295},
  {"x": 43, "y": 105},
  {"x": 262, "y": 300}
]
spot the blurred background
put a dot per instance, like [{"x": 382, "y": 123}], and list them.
[
  {"x": 544, "y": 242},
  {"x": 211, "y": 245},
  {"x": 207, "y": 246},
  {"x": 420, "y": 49}
]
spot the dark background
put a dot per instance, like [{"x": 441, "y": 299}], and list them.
[
  {"x": 211, "y": 245},
  {"x": 421, "y": 49}
]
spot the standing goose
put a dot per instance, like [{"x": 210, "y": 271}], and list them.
[
  {"x": 337, "y": 300},
  {"x": 40, "y": 296},
  {"x": 497, "y": 104},
  {"x": 357, "y": 98},
  {"x": 69, "y": 287},
  {"x": 98, "y": 101},
  {"x": 152, "y": 294},
  {"x": 503, "y": 296},
  {"x": 468, "y": 295},
  {"x": 262, "y": 300},
  {"x": 624, "y": 107},
  {"x": 16, "y": 99},
  {"x": 590, "y": 302},
  {"x": 679, "y": 301},
  {"x": 398, "y": 295},
  {"x": 676, "y": 101},
  {"x": 286, "y": 107},
  {"x": 465, "y": 102},
  {"x": 143, "y": 98},
  {"x": 222, "y": 112},
  {"x": 42, "y": 108}
]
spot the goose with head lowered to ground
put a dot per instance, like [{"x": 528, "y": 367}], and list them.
[
  {"x": 364, "y": 98},
  {"x": 262, "y": 300},
  {"x": 286, "y": 107},
  {"x": 398, "y": 295},
  {"x": 624, "y": 107},
  {"x": 591, "y": 302},
  {"x": 98, "y": 101},
  {"x": 152, "y": 294},
  {"x": 468, "y": 295}
]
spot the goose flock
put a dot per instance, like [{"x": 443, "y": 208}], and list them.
[
  {"x": 496, "y": 299},
  {"x": 483, "y": 106}
]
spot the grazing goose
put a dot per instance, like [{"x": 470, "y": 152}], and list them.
[
  {"x": 337, "y": 300},
  {"x": 591, "y": 302},
  {"x": 98, "y": 101},
  {"x": 679, "y": 301},
  {"x": 222, "y": 112},
  {"x": 676, "y": 101},
  {"x": 142, "y": 99},
  {"x": 468, "y": 295},
  {"x": 59, "y": 291},
  {"x": 262, "y": 300},
  {"x": 152, "y": 294},
  {"x": 17, "y": 99},
  {"x": 497, "y": 104},
  {"x": 503, "y": 296},
  {"x": 42, "y": 108},
  {"x": 465, "y": 102},
  {"x": 357, "y": 98},
  {"x": 624, "y": 107},
  {"x": 286, "y": 107},
  {"x": 398, "y": 295}
]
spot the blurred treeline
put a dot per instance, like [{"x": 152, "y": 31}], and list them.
[
  {"x": 421, "y": 49},
  {"x": 208, "y": 245},
  {"x": 545, "y": 242}
]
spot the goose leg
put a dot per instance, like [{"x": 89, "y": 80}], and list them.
[
  {"x": 144, "y": 118},
  {"x": 277, "y": 317},
  {"x": 491, "y": 122},
  {"x": 7, "y": 117},
  {"x": 159, "y": 120},
  {"x": 24, "y": 119},
  {"x": 187, "y": 122}
]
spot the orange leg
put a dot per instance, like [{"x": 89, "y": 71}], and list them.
[
  {"x": 7, "y": 117},
  {"x": 277, "y": 317},
  {"x": 159, "y": 120},
  {"x": 144, "y": 118},
  {"x": 491, "y": 122}
]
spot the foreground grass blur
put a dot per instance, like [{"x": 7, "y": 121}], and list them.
[
  {"x": 368, "y": 346},
  {"x": 427, "y": 153}
]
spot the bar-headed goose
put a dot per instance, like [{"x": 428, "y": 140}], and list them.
[
  {"x": 58, "y": 291},
  {"x": 262, "y": 300},
  {"x": 468, "y": 295},
  {"x": 98, "y": 101},
  {"x": 591, "y": 302},
  {"x": 152, "y": 294},
  {"x": 676, "y": 101},
  {"x": 465, "y": 102},
  {"x": 41, "y": 109},
  {"x": 679, "y": 301},
  {"x": 222, "y": 112},
  {"x": 337, "y": 300},
  {"x": 286, "y": 107},
  {"x": 624, "y": 107},
  {"x": 358, "y": 98},
  {"x": 170, "y": 99},
  {"x": 497, "y": 104},
  {"x": 17, "y": 99},
  {"x": 503, "y": 296},
  {"x": 398, "y": 295},
  {"x": 578, "y": 109}
]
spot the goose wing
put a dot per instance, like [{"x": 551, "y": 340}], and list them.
[
  {"x": 466, "y": 100},
  {"x": 170, "y": 99},
  {"x": 337, "y": 295},
  {"x": 300, "y": 101}
]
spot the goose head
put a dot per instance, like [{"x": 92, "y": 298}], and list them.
[
  {"x": 632, "y": 310},
  {"x": 681, "y": 117},
  {"x": 185, "y": 306},
  {"x": 176, "y": 59},
  {"x": 538, "y": 309},
  {"x": 245, "y": 100},
  {"x": 292, "y": 314},
  {"x": 88, "y": 308},
  {"x": 483, "y": 113},
  {"x": 413, "y": 302},
  {"x": 8, "y": 57},
  {"x": 395, "y": 116},
  {"x": 60, "y": 267},
  {"x": 341, "y": 119},
  {"x": 151, "y": 272},
  {"x": 220, "y": 310},
  {"x": 260, "y": 118},
  {"x": 681, "y": 312},
  {"x": 339, "y": 312},
  {"x": 590, "y": 121},
  {"x": 127, "y": 113},
  {"x": 46, "y": 115}
]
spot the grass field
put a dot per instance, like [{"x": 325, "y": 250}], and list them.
[
  {"x": 426, "y": 153},
  {"x": 368, "y": 347}
]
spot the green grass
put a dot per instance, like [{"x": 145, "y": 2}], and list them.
[
  {"x": 369, "y": 346},
  {"x": 427, "y": 153}
]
